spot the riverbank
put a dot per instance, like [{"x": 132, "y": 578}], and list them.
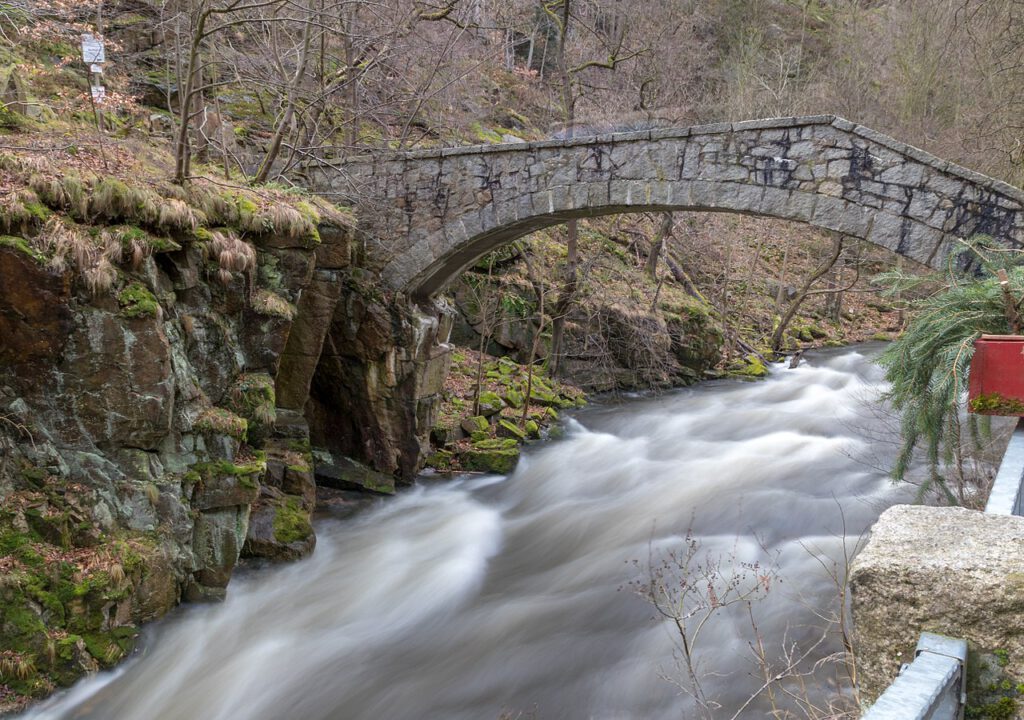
[{"x": 473, "y": 597}]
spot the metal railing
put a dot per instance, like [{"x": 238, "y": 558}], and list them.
[
  {"x": 932, "y": 687},
  {"x": 1005, "y": 498}
]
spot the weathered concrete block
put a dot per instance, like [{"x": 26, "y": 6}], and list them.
[{"x": 946, "y": 570}]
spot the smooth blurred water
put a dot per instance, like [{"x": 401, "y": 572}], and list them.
[{"x": 466, "y": 599}]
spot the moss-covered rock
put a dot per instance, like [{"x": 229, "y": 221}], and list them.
[
  {"x": 221, "y": 483},
  {"x": 476, "y": 423},
  {"x": 513, "y": 397},
  {"x": 344, "y": 473},
  {"x": 501, "y": 460},
  {"x": 444, "y": 433},
  {"x": 490, "y": 403},
  {"x": 750, "y": 366},
  {"x": 138, "y": 302},
  {"x": 441, "y": 460},
  {"x": 292, "y": 523},
  {"x": 65, "y": 610},
  {"x": 280, "y": 529},
  {"x": 509, "y": 429}
]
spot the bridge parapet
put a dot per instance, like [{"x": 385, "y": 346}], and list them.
[{"x": 431, "y": 213}]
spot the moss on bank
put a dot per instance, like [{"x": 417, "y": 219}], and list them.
[
  {"x": 490, "y": 441},
  {"x": 66, "y": 589},
  {"x": 291, "y": 521},
  {"x": 138, "y": 302}
]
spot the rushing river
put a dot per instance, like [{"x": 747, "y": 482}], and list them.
[{"x": 486, "y": 597}]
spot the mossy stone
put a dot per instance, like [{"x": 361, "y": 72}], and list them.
[
  {"x": 291, "y": 521},
  {"x": 440, "y": 460},
  {"x": 509, "y": 429},
  {"x": 495, "y": 444},
  {"x": 514, "y": 398},
  {"x": 138, "y": 302},
  {"x": 750, "y": 367},
  {"x": 477, "y": 423},
  {"x": 501, "y": 461},
  {"x": 490, "y": 403}
]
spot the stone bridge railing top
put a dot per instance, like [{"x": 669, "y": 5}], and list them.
[
  {"x": 713, "y": 129},
  {"x": 431, "y": 213}
]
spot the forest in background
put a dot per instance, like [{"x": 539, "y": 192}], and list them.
[{"x": 262, "y": 91}]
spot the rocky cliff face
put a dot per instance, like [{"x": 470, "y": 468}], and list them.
[{"x": 143, "y": 445}]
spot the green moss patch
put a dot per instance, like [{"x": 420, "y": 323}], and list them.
[
  {"x": 220, "y": 421},
  {"x": 996, "y": 404},
  {"x": 750, "y": 366},
  {"x": 138, "y": 302},
  {"x": 291, "y": 521},
  {"x": 991, "y": 694},
  {"x": 501, "y": 460},
  {"x": 57, "y": 600},
  {"x": 21, "y": 245}
]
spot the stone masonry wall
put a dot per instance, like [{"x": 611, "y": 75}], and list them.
[{"x": 431, "y": 213}]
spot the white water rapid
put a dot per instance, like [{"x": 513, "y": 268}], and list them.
[{"x": 467, "y": 599}]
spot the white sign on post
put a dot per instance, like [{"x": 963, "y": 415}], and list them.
[
  {"x": 92, "y": 49},
  {"x": 99, "y": 94}
]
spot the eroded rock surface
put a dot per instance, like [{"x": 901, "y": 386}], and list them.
[
  {"x": 139, "y": 444},
  {"x": 947, "y": 570}
]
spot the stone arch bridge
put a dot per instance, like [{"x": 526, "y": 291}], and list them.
[{"x": 429, "y": 214}]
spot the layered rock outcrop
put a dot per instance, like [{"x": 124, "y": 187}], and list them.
[{"x": 142, "y": 449}]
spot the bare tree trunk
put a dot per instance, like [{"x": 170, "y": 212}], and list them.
[
  {"x": 780, "y": 294},
  {"x": 538, "y": 286},
  {"x": 486, "y": 330},
  {"x": 664, "y": 231},
  {"x": 834, "y": 300},
  {"x": 805, "y": 290},
  {"x": 353, "y": 86},
  {"x": 568, "y": 289},
  {"x": 182, "y": 147},
  {"x": 290, "y": 94}
]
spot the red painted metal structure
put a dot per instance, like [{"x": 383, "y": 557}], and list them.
[{"x": 997, "y": 376}]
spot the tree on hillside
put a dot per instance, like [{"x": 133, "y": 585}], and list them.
[
  {"x": 324, "y": 73},
  {"x": 605, "y": 25},
  {"x": 806, "y": 290}
]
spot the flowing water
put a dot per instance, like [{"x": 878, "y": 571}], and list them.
[{"x": 482, "y": 596}]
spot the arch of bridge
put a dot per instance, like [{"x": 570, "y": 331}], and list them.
[{"x": 430, "y": 214}]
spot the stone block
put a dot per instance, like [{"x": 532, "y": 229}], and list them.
[
  {"x": 280, "y": 529},
  {"x": 828, "y": 213},
  {"x": 217, "y": 539},
  {"x": 225, "y": 485},
  {"x": 724, "y": 172},
  {"x": 945, "y": 570},
  {"x": 906, "y": 174},
  {"x": 803, "y": 149},
  {"x": 748, "y": 198},
  {"x": 305, "y": 342}
]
